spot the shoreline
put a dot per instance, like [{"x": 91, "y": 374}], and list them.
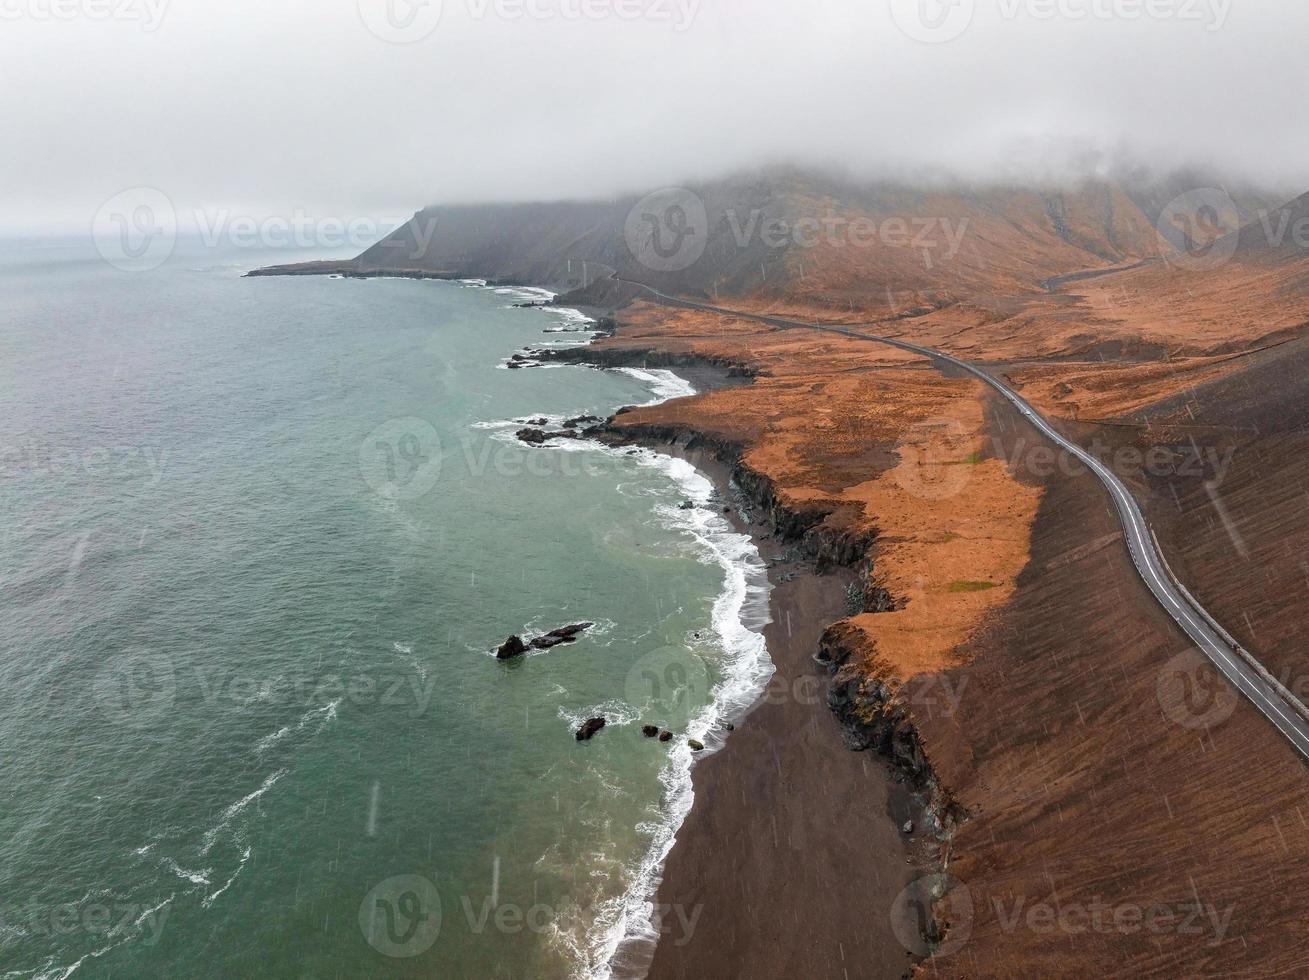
[
  {"x": 786, "y": 762},
  {"x": 628, "y": 928},
  {"x": 777, "y": 761},
  {"x": 785, "y": 766}
]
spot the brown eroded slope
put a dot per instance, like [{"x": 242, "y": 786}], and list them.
[
  {"x": 1094, "y": 796},
  {"x": 1015, "y": 668},
  {"x": 1108, "y": 829},
  {"x": 867, "y": 441}
]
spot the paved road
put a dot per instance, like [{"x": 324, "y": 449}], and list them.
[{"x": 1238, "y": 666}]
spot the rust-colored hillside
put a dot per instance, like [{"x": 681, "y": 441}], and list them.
[{"x": 1106, "y": 806}]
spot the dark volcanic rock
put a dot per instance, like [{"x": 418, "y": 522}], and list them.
[
  {"x": 565, "y": 634},
  {"x": 512, "y": 647},
  {"x": 535, "y": 437},
  {"x": 665, "y": 736},
  {"x": 574, "y": 423},
  {"x": 696, "y": 744},
  {"x": 649, "y": 731},
  {"x": 588, "y": 730}
]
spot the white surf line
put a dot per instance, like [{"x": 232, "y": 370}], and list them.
[{"x": 629, "y": 918}]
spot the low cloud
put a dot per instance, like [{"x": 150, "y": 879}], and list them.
[{"x": 379, "y": 106}]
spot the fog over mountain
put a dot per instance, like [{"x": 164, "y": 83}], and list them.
[{"x": 269, "y": 107}]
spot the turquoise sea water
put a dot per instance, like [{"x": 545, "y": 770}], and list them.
[{"x": 257, "y": 537}]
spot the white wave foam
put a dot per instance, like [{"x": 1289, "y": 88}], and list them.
[
  {"x": 234, "y": 809},
  {"x": 615, "y": 712},
  {"x": 526, "y": 294},
  {"x": 210, "y": 900},
  {"x": 323, "y": 715},
  {"x": 526, "y": 420},
  {"x": 571, "y": 316},
  {"x": 665, "y": 385},
  {"x": 268, "y": 741},
  {"x": 739, "y": 611},
  {"x": 194, "y": 877},
  {"x": 151, "y": 911}
]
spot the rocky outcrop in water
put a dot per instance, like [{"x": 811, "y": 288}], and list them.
[
  {"x": 511, "y": 648},
  {"x": 563, "y": 635},
  {"x": 514, "y": 647},
  {"x": 589, "y": 729}
]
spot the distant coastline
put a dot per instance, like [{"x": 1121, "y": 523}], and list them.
[{"x": 350, "y": 269}]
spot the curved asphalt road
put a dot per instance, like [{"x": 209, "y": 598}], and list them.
[{"x": 1238, "y": 666}]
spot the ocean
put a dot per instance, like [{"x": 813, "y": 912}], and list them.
[{"x": 259, "y": 539}]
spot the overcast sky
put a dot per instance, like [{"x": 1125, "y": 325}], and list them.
[{"x": 274, "y": 106}]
